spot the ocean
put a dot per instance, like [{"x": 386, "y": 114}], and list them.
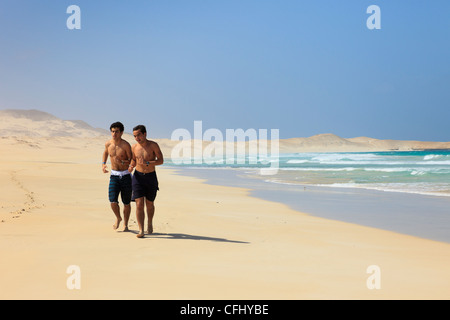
[
  {"x": 422, "y": 172},
  {"x": 401, "y": 191}
]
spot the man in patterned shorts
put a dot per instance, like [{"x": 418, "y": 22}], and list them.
[{"x": 119, "y": 152}]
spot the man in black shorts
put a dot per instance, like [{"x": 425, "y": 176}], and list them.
[
  {"x": 119, "y": 152},
  {"x": 146, "y": 155}
]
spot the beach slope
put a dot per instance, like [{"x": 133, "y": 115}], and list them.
[{"x": 210, "y": 242}]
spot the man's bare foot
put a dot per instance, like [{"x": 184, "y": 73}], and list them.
[
  {"x": 117, "y": 224},
  {"x": 125, "y": 229},
  {"x": 140, "y": 235},
  {"x": 150, "y": 230}
]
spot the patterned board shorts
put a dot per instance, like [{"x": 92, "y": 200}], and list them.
[{"x": 120, "y": 184}]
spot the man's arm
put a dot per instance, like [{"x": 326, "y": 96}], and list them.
[
  {"x": 159, "y": 156},
  {"x": 105, "y": 158},
  {"x": 133, "y": 160},
  {"x": 129, "y": 153}
]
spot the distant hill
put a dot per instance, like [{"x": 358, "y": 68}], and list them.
[
  {"x": 33, "y": 114},
  {"x": 333, "y": 143},
  {"x": 35, "y": 123}
]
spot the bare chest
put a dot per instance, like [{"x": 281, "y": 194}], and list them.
[
  {"x": 116, "y": 151},
  {"x": 144, "y": 153}
]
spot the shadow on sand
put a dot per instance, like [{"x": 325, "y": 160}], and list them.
[{"x": 183, "y": 236}]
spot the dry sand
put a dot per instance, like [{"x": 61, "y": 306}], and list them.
[{"x": 210, "y": 242}]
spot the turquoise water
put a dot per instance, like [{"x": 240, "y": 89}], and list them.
[{"x": 423, "y": 172}]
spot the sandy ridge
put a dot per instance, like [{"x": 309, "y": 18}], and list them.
[{"x": 27, "y": 124}]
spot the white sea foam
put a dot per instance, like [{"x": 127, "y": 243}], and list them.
[
  {"x": 366, "y": 159},
  {"x": 443, "y": 162},
  {"x": 431, "y": 156},
  {"x": 345, "y": 156},
  {"x": 442, "y": 190},
  {"x": 418, "y": 172},
  {"x": 412, "y": 172},
  {"x": 297, "y": 161},
  {"x": 318, "y": 169},
  {"x": 435, "y": 157}
]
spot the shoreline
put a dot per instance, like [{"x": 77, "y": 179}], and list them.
[
  {"x": 210, "y": 241},
  {"x": 402, "y": 212}
]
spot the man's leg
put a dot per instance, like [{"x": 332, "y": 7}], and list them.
[
  {"x": 126, "y": 216},
  {"x": 140, "y": 215},
  {"x": 150, "y": 213},
  {"x": 116, "y": 209},
  {"x": 114, "y": 190},
  {"x": 126, "y": 192}
]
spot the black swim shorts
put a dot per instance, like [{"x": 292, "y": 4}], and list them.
[
  {"x": 120, "y": 185},
  {"x": 144, "y": 185}
]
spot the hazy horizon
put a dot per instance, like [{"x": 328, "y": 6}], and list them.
[
  {"x": 40, "y": 116},
  {"x": 303, "y": 67}
]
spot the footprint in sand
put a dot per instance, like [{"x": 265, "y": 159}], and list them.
[{"x": 30, "y": 202}]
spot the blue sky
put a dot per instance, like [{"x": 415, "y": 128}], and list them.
[{"x": 303, "y": 67}]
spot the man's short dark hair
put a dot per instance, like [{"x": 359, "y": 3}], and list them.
[
  {"x": 140, "y": 127},
  {"x": 117, "y": 125}
]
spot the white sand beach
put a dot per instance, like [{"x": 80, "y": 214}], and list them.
[{"x": 209, "y": 242}]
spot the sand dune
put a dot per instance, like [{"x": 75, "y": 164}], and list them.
[
  {"x": 35, "y": 123},
  {"x": 27, "y": 124},
  {"x": 333, "y": 143},
  {"x": 317, "y": 143}
]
